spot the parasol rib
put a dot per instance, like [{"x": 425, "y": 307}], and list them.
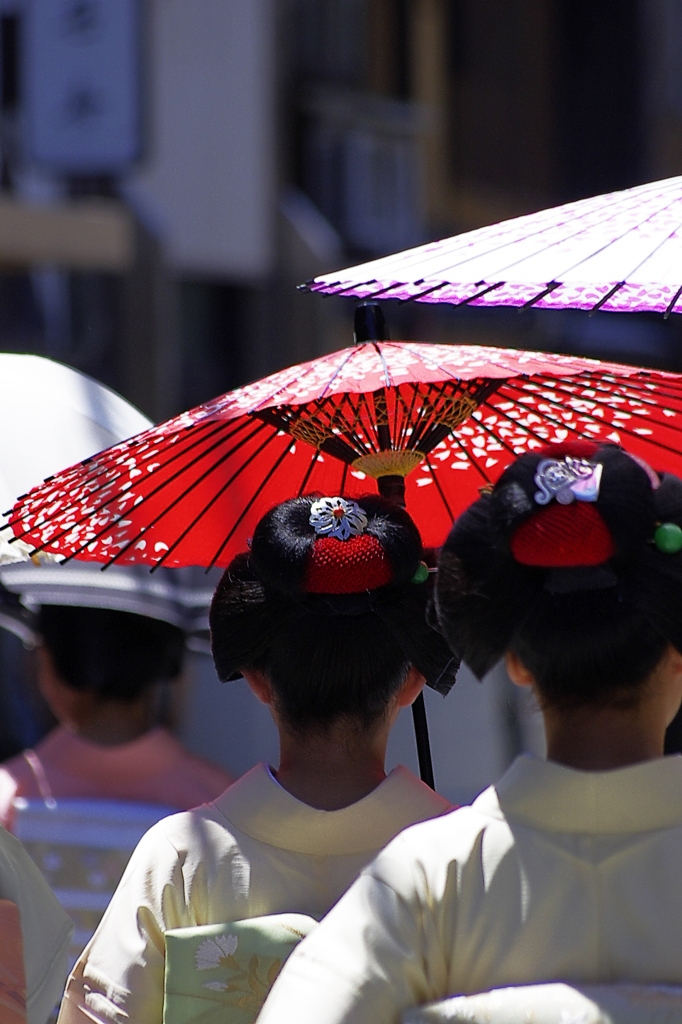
[
  {"x": 380, "y": 291},
  {"x": 188, "y": 490},
  {"x": 409, "y": 418},
  {"x": 310, "y": 285},
  {"x": 349, "y": 355},
  {"x": 627, "y": 386},
  {"x": 470, "y": 459},
  {"x": 439, "y": 489},
  {"x": 421, "y": 295},
  {"x": 605, "y": 298},
  {"x": 145, "y": 498},
  {"x": 585, "y": 216},
  {"x": 551, "y": 287},
  {"x": 299, "y": 374},
  {"x": 602, "y": 248},
  {"x": 108, "y": 465},
  {"x": 673, "y": 302},
  {"x": 564, "y": 385},
  {"x": 618, "y": 428},
  {"x": 308, "y": 473},
  {"x": 478, "y": 295},
  {"x": 248, "y": 505},
  {"x": 363, "y": 284},
  {"x": 98, "y": 508},
  {"x": 510, "y": 419},
  {"x": 505, "y": 416}
]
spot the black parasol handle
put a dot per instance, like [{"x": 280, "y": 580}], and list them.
[
  {"x": 421, "y": 732},
  {"x": 370, "y": 325}
]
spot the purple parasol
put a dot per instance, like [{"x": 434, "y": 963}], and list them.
[{"x": 620, "y": 252}]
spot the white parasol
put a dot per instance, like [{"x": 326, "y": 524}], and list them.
[{"x": 52, "y": 416}]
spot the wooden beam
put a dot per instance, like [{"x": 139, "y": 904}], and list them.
[{"x": 92, "y": 234}]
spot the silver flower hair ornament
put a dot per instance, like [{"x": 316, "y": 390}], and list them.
[
  {"x": 567, "y": 479},
  {"x": 336, "y": 517}
]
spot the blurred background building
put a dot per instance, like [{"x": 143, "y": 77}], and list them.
[{"x": 171, "y": 169}]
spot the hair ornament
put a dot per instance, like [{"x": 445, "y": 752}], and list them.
[
  {"x": 338, "y": 518},
  {"x": 567, "y": 479},
  {"x": 421, "y": 574},
  {"x": 668, "y": 538}
]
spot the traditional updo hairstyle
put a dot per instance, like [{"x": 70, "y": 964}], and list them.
[
  {"x": 334, "y": 624},
  {"x": 574, "y": 563}
]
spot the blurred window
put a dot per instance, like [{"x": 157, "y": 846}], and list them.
[
  {"x": 362, "y": 168},
  {"x": 359, "y": 151},
  {"x": 331, "y": 40}
]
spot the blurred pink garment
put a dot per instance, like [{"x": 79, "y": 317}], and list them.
[
  {"x": 155, "y": 768},
  {"x": 12, "y": 973}
]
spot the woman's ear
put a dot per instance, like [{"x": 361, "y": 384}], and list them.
[
  {"x": 517, "y": 671},
  {"x": 411, "y": 688},
  {"x": 259, "y": 684}
]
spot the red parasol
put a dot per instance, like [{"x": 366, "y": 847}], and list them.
[{"x": 439, "y": 421}]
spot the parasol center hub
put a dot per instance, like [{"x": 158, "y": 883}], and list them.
[{"x": 389, "y": 463}]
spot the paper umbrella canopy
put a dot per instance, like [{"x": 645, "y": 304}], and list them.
[
  {"x": 620, "y": 252},
  {"x": 441, "y": 420}
]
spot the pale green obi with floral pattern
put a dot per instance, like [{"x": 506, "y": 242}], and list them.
[{"x": 221, "y": 973}]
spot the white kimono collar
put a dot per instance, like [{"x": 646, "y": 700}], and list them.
[
  {"x": 257, "y": 805},
  {"x": 551, "y": 797}
]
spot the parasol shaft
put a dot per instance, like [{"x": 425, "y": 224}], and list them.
[
  {"x": 369, "y": 323},
  {"x": 421, "y": 732},
  {"x": 392, "y": 488}
]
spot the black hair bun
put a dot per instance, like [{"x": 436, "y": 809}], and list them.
[{"x": 283, "y": 540}]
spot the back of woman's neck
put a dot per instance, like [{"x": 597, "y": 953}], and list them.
[
  {"x": 114, "y": 723},
  {"x": 331, "y": 769},
  {"x": 602, "y": 739}
]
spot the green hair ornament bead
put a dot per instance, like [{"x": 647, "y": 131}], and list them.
[
  {"x": 668, "y": 538},
  {"x": 422, "y": 573}
]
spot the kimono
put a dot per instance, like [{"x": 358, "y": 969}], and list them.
[
  {"x": 45, "y": 928},
  {"x": 254, "y": 851},
  {"x": 551, "y": 875},
  {"x": 154, "y": 768}
]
